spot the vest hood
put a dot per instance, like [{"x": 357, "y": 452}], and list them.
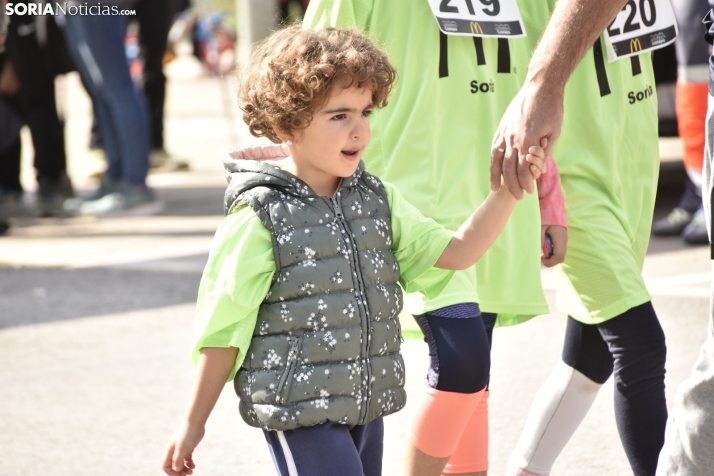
[{"x": 255, "y": 166}]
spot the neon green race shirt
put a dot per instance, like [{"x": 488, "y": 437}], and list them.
[
  {"x": 608, "y": 156},
  {"x": 433, "y": 142}
]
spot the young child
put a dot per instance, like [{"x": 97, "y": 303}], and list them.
[{"x": 300, "y": 298}]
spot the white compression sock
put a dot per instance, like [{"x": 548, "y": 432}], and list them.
[{"x": 558, "y": 409}]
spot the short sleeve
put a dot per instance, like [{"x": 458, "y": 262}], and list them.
[
  {"x": 235, "y": 282},
  {"x": 418, "y": 242},
  {"x": 337, "y": 13}
]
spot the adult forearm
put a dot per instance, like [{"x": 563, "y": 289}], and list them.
[{"x": 571, "y": 31}]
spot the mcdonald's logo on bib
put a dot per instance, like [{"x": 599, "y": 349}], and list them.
[
  {"x": 476, "y": 28},
  {"x": 635, "y": 45}
]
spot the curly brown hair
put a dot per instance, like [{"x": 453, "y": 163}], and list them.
[{"x": 291, "y": 74}]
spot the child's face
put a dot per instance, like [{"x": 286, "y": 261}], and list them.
[{"x": 332, "y": 145}]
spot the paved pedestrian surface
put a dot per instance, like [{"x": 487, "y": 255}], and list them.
[{"x": 95, "y": 322}]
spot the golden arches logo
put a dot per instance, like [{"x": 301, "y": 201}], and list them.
[
  {"x": 476, "y": 28},
  {"x": 635, "y": 45}
]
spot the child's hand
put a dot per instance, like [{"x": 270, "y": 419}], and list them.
[
  {"x": 179, "y": 453},
  {"x": 536, "y": 157}
]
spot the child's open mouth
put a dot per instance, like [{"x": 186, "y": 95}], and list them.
[{"x": 351, "y": 154}]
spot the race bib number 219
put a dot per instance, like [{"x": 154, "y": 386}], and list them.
[{"x": 494, "y": 18}]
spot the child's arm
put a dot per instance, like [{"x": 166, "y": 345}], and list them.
[
  {"x": 482, "y": 228},
  {"x": 214, "y": 366}
]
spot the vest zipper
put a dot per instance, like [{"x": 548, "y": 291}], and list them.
[
  {"x": 283, "y": 392},
  {"x": 363, "y": 298}
]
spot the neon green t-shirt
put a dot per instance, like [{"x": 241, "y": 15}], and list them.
[
  {"x": 433, "y": 141},
  {"x": 608, "y": 158},
  {"x": 241, "y": 266}
]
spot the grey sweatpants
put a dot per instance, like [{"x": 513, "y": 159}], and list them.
[{"x": 689, "y": 441}]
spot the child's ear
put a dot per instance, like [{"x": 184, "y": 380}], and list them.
[{"x": 283, "y": 136}]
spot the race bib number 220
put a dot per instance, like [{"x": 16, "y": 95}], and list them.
[
  {"x": 485, "y": 18},
  {"x": 641, "y": 26}
]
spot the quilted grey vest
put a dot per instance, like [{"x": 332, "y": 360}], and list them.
[{"x": 326, "y": 344}]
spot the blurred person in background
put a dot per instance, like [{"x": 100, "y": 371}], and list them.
[
  {"x": 97, "y": 46},
  {"x": 687, "y": 218},
  {"x": 155, "y": 18},
  {"x": 10, "y": 125},
  {"x": 3, "y": 30},
  {"x": 147, "y": 51},
  {"x": 35, "y": 55}
]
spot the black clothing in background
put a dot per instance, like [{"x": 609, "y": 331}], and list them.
[{"x": 36, "y": 66}]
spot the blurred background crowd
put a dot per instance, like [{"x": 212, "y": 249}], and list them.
[{"x": 121, "y": 59}]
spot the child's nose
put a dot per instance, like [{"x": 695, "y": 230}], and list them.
[{"x": 360, "y": 128}]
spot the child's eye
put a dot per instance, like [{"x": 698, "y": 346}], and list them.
[
  {"x": 339, "y": 117},
  {"x": 367, "y": 112}
]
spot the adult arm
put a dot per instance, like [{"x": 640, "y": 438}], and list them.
[{"x": 537, "y": 111}]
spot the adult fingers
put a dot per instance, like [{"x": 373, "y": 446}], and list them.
[
  {"x": 550, "y": 142},
  {"x": 510, "y": 171},
  {"x": 523, "y": 172}
]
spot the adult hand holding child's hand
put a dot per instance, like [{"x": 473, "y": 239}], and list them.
[
  {"x": 531, "y": 117},
  {"x": 536, "y": 157}
]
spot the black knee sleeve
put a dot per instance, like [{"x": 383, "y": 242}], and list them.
[{"x": 459, "y": 350}]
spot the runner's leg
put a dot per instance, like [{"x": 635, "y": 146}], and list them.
[
  {"x": 458, "y": 374},
  {"x": 563, "y": 401},
  {"x": 471, "y": 455},
  {"x": 636, "y": 341}
]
